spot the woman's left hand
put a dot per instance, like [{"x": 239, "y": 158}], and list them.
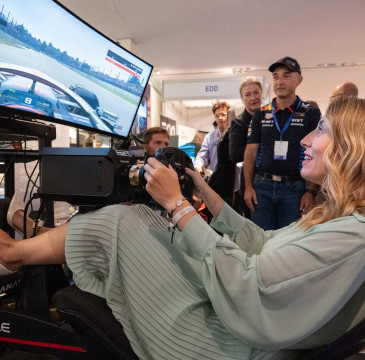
[{"x": 162, "y": 184}]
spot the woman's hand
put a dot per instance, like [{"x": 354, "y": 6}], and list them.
[
  {"x": 203, "y": 191},
  {"x": 200, "y": 185},
  {"x": 162, "y": 184}
]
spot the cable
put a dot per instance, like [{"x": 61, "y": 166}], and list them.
[
  {"x": 31, "y": 181},
  {"x": 39, "y": 213},
  {"x": 32, "y": 189},
  {"x": 26, "y": 170},
  {"x": 30, "y": 176},
  {"x": 25, "y": 217}
]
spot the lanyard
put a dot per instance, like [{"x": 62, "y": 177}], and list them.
[{"x": 287, "y": 123}]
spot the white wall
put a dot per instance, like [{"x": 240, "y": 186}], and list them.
[
  {"x": 156, "y": 107},
  {"x": 201, "y": 118},
  {"x": 175, "y": 110},
  {"x": 317, "y": 85}
]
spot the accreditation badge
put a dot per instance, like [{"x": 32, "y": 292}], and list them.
[{"x": 281, "y": 150}]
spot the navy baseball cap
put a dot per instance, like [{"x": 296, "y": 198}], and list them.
[{"x": 287, "y": 61}]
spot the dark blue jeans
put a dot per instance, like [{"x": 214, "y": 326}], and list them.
[{"x": 278, "y": 202}]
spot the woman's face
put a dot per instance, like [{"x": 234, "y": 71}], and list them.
[
  {"x": 315, "y": 143},
  {"x": 221, "y": 118},
  {"x": 251, "y": 97}
]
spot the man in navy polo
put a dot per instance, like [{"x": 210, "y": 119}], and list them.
[{"x": 274, "y": 190}]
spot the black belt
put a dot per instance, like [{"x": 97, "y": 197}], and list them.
[{"x": 279, "y": 177}]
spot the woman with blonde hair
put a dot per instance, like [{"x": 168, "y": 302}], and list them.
[
  {"x": 251, "y": 294},
  {"x": 251, "y": 96},
  {"x": 343, "y": 184}
]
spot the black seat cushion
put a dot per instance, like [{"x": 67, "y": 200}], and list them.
[{"x": 95, "y": 310}]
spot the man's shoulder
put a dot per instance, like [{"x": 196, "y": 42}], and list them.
[
  {"x": 262, "y": 111},
  {"x": 208, "y": 138},
  {"x": 311, "y": 112},
  {"x": 308, "y": 106},
  {"x": 211, "y": 134},
  {"x": 239, "y": 121},
  {"x": 267, "y": 107}
]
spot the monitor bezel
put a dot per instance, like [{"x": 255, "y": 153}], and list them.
[{"x": 27, "y": 115}]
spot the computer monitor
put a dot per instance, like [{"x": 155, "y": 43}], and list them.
[
  {"x": 189, "y": 149},
  {"x": 55, "y": 67}
]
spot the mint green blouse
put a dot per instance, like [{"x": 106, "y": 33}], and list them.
[
  {"x": 286, "y": 284},
  {"x": 247, "y": 295}
]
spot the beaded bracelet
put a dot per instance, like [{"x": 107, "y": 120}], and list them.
[{"x": 178, "y": 203}]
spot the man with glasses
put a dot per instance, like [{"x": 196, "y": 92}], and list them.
[
  {"x": 346, "y": 89},
  {"x": 207, "y": 155},
  {"x": 274, "y": 190}
]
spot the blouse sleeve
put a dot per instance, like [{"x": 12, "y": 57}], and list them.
[
  {"x": 202, "y": 157},
  {"x": 279, "y": 297},
  {"x": 247, "y": 235}
]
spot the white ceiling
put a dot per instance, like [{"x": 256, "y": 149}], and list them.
[{"x": 211, "y": 37}]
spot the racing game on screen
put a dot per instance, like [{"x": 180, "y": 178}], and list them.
[{"x": 54, "y": 65}]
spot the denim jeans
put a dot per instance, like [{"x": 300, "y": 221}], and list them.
[{"x": 278, "y": 202}]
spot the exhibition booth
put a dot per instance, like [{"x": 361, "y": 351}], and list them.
[{"x": 73, "y": 111}]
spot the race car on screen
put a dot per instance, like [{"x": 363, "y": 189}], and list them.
[
  {"x": 30, "y": 90},
  {"x": 90, "y": 97}
]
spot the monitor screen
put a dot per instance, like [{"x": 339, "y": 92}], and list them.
[
  {"x": 189, "y": 149},
  {"x": 140, "y": 122},
  {"x": 55, "y": 67}
]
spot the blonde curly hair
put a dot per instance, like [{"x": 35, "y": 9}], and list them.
[{"x": 344, "y": 184}]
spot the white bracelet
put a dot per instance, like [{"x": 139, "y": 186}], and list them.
[{"x": 181, "y": 213}]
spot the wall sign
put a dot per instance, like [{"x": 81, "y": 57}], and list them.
[
  {"x": 168, "y": 124},
  {"x": 226, "y": 88}
]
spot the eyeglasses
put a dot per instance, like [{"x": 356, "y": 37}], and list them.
[
  {"x": 337, "y": 96},
  {"x": 220, "y": 115}
]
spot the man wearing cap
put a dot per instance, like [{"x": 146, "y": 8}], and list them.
[{"x": 274, "y": 190}]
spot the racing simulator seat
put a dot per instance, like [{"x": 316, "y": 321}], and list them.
[
  {"x": 41, "y": 312},
  {"x": 73, "y": 331},
  {"x": 67, "y": 329}
]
